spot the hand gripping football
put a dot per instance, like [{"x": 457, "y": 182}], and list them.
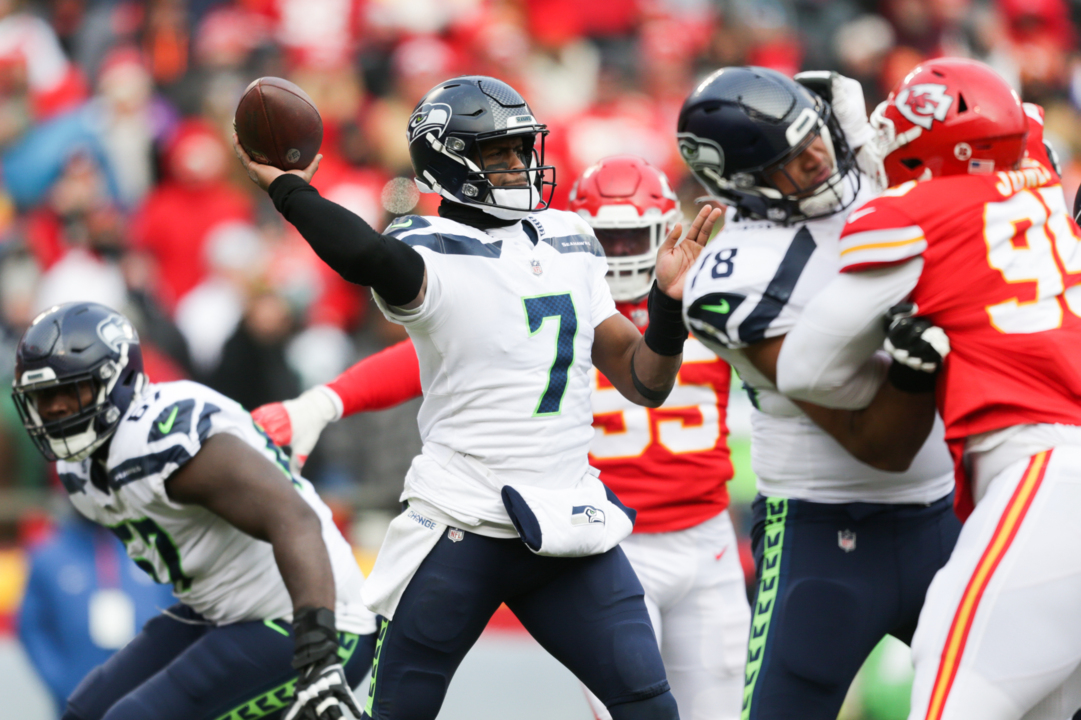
[{"x": 278, "y": 125}]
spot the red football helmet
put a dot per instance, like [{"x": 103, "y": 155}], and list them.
[
  {"x": 630, "y": 206},
  {"x": 949, "y": 116}
]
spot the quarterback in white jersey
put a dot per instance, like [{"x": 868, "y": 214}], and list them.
[
  {"x": 204, "y": 501},
  {"x": 828, "y": 526},
  {"x": 507, "y": 305},
  {"x": 671, "y": 464}
]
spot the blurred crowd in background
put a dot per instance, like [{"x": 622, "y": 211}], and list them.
[{"x": 118, "y": 185}]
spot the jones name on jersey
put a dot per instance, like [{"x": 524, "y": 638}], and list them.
[
  {"x": 222, "y": 573},
  {"x": 751, "y": 284}
]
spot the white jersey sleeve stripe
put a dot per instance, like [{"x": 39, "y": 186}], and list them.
[{"x": 883, "y": 246}]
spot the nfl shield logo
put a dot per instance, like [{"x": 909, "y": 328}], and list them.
[
  {"x": 455, "y": 535},
  {"x": 846, "y": 540},
  {"x": 536, "y": 267}
]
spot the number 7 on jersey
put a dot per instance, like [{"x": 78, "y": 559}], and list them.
[{"x": 561, "y": 307}]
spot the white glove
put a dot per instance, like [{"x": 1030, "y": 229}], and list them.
[
  {"x": 851, "y": 110},
  {"x": 845, "y": 96},
  {"x": 299, "y": 422}
]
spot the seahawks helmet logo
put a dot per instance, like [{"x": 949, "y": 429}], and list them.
[
  {"x": 704, "y": 157},
  {"x": 699, "y": 152},
  {"x": 924, "y": 103},
  {"x": 428, "y": 117},
  {"x": 115, "y": 331}
]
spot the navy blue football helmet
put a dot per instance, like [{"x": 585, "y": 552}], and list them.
[
  {"x": 67, "y": 347},
  {"x": 742, "y": 125},
  {"x": 445, "y": 130}
]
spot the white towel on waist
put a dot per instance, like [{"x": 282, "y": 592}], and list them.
[{"x": 587, "y": 519}]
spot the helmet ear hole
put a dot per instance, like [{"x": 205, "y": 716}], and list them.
[
  {"x": 962, "y": 106},
  {"x": 912, "y": 163}
]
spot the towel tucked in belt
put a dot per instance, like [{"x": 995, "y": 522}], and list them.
[{"x": 587, "y": 519}]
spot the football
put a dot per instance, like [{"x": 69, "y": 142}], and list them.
[{"x": 277, "y": 124}]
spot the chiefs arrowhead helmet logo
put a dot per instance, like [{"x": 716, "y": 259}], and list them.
[{"x": 924, "y": 103}]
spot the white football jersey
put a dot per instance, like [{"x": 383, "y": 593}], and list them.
[
  {"x": 750, "y": 284},
  {"x": 504, "y": 338},
  {"x": 214, "y": 568}
]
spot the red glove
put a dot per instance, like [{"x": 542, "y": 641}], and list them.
[
  {"x": 274, "y": 419},
  {"x": 297, "y": 423}
]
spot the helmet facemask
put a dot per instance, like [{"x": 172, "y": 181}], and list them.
[
  {"x": 630, "y": 247},
  {"x": 754, "y": 190},
  {"x": 506, "y": 203},
  {"x": 77, "y": 435}
]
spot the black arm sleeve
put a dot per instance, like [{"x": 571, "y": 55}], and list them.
[{"x": 348, "y": 244}]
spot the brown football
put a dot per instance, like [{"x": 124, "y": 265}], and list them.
[{"x": 278, "y": 125}]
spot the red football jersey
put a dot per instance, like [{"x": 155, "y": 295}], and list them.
[
  {"x": 1002, "y": 277},
  {"x": 671, "y": 463}
]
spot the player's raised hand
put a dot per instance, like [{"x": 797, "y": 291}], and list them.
[
  {"x": 675, "y": 258},
  {"x": 263, "y": 175},
  {"x": 297, "y": 423}
]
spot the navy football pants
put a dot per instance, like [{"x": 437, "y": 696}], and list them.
[
  {"x": 176, "y": 670},
  {"x": 833, "y": 580},
  {"x": 588, "y": 612}
]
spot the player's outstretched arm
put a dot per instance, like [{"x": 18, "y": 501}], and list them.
[
  {"x": 341, "y": 239},
  {"x": 235, "y": 482},
  {"x": 886, "y": 434},
  {"x": 380, "y": 381},
  {"x": 643, "y": 367}
]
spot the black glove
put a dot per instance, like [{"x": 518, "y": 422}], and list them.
[
  {"x": 917, "y": 346},
  {"x": 322, "y": 691}
]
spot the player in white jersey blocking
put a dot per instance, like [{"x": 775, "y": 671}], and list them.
[
  {"x": 203, "y": 500},
  {"x": 508, "y": 309},
  {"x": 844, "y": 551},
  {"x": 671, "y": 464}
]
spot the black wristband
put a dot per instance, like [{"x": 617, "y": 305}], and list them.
[
  {"x": 656, "y": 396},
  {"x": 665, "y": 333},
  {"x": 314, "y": 636},
  {"x": 907, "y": 380}
]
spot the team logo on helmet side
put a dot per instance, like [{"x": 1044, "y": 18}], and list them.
[
  {"x": 924, "y": 103},
  {"x": 701, "y": 154},
  {"x": 429, "y": 116},
  {"x": 115, "y": 331}
]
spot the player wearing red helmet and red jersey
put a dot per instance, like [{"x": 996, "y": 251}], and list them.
[
  {"x": 976, "y": 233},
  {"x": 671, "y": 463}
]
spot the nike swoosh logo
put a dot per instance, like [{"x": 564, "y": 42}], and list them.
[
  {"x": 721, "y": 309},
  {"x": 858, "y": 214},
  {"x": 397, "y": 225},
  {"x": 165, "y": 427},
  {"x": 719, "y": 555}
]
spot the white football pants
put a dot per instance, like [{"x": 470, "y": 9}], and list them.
[
  {"x": 999, "y": 637},
  {"x": 697, "y": 601}
]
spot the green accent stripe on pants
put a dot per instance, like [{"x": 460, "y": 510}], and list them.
[
  {"x": 773, "y": 544},
  {"x": 383, "y": 624},
  {"x": 282, "y": 695}
]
